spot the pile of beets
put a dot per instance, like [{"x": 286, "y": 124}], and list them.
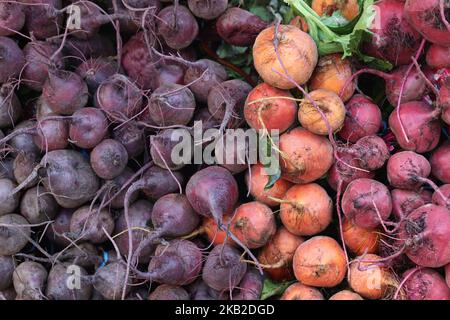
[{"x": 94, "y": 206}]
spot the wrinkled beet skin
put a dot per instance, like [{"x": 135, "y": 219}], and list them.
[
  {"x": 425, "y": 284},
  {"x": 69, "y": 177},
  {"x": 12, "y": 59},
  {"x": 425, "y": 17},
  {"x": 440, "y": 162},
  {"x": 140, "y": 213},
  {"x": 357, "y": 202},
  {"x": 395, "y": 40},
  {"x": 177, "y": 26},
  {"x": 109, "y": 158},
  {"x": 212, "y": 191},
  {"x": 427, "y": 232},
  {"x": 421, "y": 126},
  {"x": 363, "y": 118},
  {"x": 239, "y": 27}
]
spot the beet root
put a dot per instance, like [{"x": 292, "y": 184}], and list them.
[{"x": 425, "y": 284}]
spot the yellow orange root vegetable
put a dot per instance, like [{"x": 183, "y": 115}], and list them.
[
  {"x": 298, "y": 291},
  {"x": 304, "y": 156},
  {"x": 332, "y": 73},
  {"x": 213, "y": 233},
  {"x": 370, "y": 280},
  {"x": 346, "y": 295},
  {"x": 332, "y": 107},
  {"x": 320, "y": 262},
  {"x": 253, "y": 224},
  {"x": 257, "y": 179},
  {"x": 306, "y": 209},
  {"x": 349, "y": 9},
  {"x": 360, "y": 240},
  {"x": 270, "y": 108},
  {"x": 297, "y": 52},
  {"x": 279, "y": 251}
]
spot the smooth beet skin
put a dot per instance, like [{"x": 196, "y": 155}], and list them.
[
  {"x": 12, "y": 59},
  {"x": 212, "y": 191},
  {"x": 361, "y": 201},
  {"x": 239, "y": 27},
  {"x": 109, "y": 159},
  {"x": 88, "y": 126},
  {"x": 404, "y": 170},
  {"x": 425, "y": 284}
]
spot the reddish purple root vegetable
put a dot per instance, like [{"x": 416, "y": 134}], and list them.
[
  {"x": 440, "y": 162},
  {"x": 406, "y": 201},
  {"x": 367, "y": 203},
  {"x": 88, "y": 126},
  {"x": 425, "y": 284}
]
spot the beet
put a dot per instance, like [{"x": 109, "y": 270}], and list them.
[
  {"x": 65, "y": 92},
  {"x": 239, "y": 27},
  {"x": 206, "y": 74},
  {"x": 131, "y": 137},
  {"x": 23, "y": 166},
  {"x": 88, "y": 126},
  {"x": 119, "y": 97},
  {"x": 42, "y": 18},
  {"x": 169, "y": 292},
  {"x": 363, "y": 118},
  {"x": 60, "y": 227},
  {"x": 6, "y": 271},
  {"x": 52, "y": 134},
  {"x": 24, "y": 141},
  {"x": 109, "y": 281},
  {"x": 115, "y": 185},
  {"x": 438, "y": 57},
  {"x": 29, "y": 280},
  {"x": 438, "y": 199},
  {"x": 427, "y": 237},
  {"x": 37, "y": 55},
  {"x": 250, "y": 287},
  {"x": 177, "y": 26},
  {"x": 13, "y": 239},
  {"x": 10, "y": 108},
  {"x": 12, "y": 18},
  {"x": 140, "y": 213},
  {"x": 88, "y": 224},
  {"x": 425, "y": 17},
  {"x": 38, "y": 206},
  {"x": 393, "y": 38},
  {"x": 164, "y": 149},
  {"x": 425, "y": 284},
  {"x": 406, "y": 201},
  {"x": 8, "y": 202},
  {"x": 421, "y": 124},
  {"x": 440, "y": 162},
  {"x": 207, "y": 9},
  {"x": 223, "y": 268},
  {"x": 109, "y": 158},
  {"x": 171, "y": 104},
  {"x": 60, "y": 276},
  {"x": 365, "y": 202},
  {"x": 406, "y": 170},
  {"x": 12, "y": 59},
  {"x": 158, "y": 182},
  {"x": 96, "y": 70}
]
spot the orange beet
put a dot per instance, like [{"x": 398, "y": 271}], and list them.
[
  {"x": 331, "y": 106},
  {"x": 298, "y": 291},
  {"x": 305, "y": 156},
  {"x": 331, "y": 73},
  {"x": 360, "y": 240},
  {"x": 346, "y": 295},
  {"x": 297, "y": 51},
  {"x": 257, "y": 179},
  {"x": 213, "y": 233},
  {"x": 278, "y": 250},
  {"x": 370, "y": 280},
  {"x": 253, "y": 224},
  {"x": 270, "y": 113},
  {"x": 320, "y": 262},
  {"x": 306, "y": 209}
]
